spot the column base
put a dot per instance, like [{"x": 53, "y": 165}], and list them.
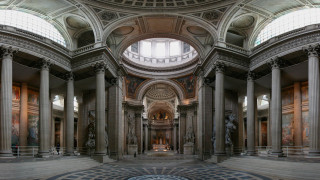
[
  {"x": 188, "y": 148},
  {"x": 43, "y": 155},
  {"x": 222, "y": 153},
  {"x": 314, "y": 153},
  {"x": 6, "y": 154},
  {"x": 216, "y": 159},
  {"x": 68, "y": 154},
  {"x": 250, "y": 153},
  {"x": 277, "y": 153},
  {"x": 102, "y": 159},
  {"x": 132, "y": 149}
]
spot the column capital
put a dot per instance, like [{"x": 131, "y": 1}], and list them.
[
  {"x": 112, "y": 81},
  {"x": 275, "y": 63},
  {"x": 99, "y": 67},
  {"x": 312, "y": 50},
  {"x": 45, "y": 64},
  {"x": 208, "y": 81},
  {"x": 219, "y": 67},
  {"x": 8, "y": 51},
  {"x": 251, "y": 76},
  {"x": 69, "y": 76}
]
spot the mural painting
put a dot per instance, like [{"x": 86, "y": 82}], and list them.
[
  {"x": 33, "y": 129},
  {"x": 304, "y": 93},
  {"x": 264, "y": 133},
  {"x": 189, "y": 85},
  {"x": 15, "y": 93},
  {"x": 132, "y": 84},
  {"x": 33, "y": 97},
  {"x": 287, "y": 129},
  {"x": 287, "y": 97},
  {"x": 15, "y": 128},
  {"x": 305, "y": 128},
  {"x": 160, "y": 116}
]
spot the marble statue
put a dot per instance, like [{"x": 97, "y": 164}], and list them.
[
  {"x": 91, "y": 142},
  {"x": 132, "y": 138},
  {"x": 230, "y": 127},
  {"x": 106, "y": 138},
  {"x": 189, "y": 137}
]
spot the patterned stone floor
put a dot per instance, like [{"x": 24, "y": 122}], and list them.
[{"x": 176, "y": 169}]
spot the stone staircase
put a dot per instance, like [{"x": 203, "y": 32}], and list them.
[
  {"x": 45, "y": 169},
  {"x": 274, "y": 168}
]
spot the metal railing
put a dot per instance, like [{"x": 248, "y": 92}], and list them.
[
  {"x": 32, "y": 151},
  {"x": 287, "y": 150}
]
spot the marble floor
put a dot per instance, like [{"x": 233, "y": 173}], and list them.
[
  {"x": 159, "y": 169},
  {"x": 167, "y": 168}
]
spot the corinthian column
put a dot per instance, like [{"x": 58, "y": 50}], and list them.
[
  {"x": 250, "y": 115},
  {"x": 219, "y": 125},
  {"x": 6, "y": 101},
  {"x": 314, "y": 100},
  {"x": 100, "y": 109},
  {"x": 70, "y": 114},
  {"x": 45, "y": 119},
  {"x": 205, "y": 119},
  {"x": 276, "y": 108}
]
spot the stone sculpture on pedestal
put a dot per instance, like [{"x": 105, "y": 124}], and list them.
[{"x": 189, "y": 142}]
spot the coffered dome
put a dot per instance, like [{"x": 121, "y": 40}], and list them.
[{"x": 160, "y": 92}]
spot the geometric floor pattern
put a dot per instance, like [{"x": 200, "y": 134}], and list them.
[{"x": 195, "y": 171}]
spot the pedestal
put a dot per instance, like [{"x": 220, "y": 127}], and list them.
[
  {"x": 216, "y": 159},
  {"x": 133, "y": 148},
  {"x": 103, "y": 159},
  {"x": 188, "y": 148}
]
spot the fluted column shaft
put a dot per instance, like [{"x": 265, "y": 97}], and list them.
[
  {"x": 100, "y": 109},
  {"x": 23, "y": 126},
  {"x": 314, "y": 100},
  {"x": 45, "y": 121},
  {"x": 276, "y": 108},
  {"x": 250, "y": 115},
  {"x": 219, "y": 125},
  {"x": 205, "y": 119},
  {"x": 6, "y": 102},
  {"x": 70, "y": 115}
]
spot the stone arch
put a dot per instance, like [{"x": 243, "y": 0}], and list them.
[
  {"x": 131, "y": 21},
  {"x": 145, "y": 87}
]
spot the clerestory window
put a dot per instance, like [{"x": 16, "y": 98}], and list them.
[
  {"x": 289, "y": 22},
  {"x": 31, "y": 23}
]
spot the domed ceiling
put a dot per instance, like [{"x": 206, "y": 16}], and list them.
[{"x": 160, "y": 92}]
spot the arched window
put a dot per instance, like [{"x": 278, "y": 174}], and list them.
[
  {"x": 288, "y": 23},
  {"x": 31, "y": 23}
]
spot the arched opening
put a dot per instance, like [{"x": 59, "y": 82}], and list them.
[{"x": 160, "y": 103}]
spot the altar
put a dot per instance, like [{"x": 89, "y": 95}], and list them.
[{"x": 160, "y": 147}]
